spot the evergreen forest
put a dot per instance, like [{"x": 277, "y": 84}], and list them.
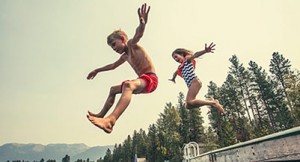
[{"x": 257, "y": 103}]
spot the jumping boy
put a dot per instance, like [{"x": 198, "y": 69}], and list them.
[{"x": 141, "y": 63}]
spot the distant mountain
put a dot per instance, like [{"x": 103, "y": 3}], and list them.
[{"x": 36, "y": 152}]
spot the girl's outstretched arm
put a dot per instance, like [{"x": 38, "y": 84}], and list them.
[
  {"x": 174, "y": 77},
  {"x": 209, "y": 49}
]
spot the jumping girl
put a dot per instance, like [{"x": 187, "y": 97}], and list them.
[{"x": 186, "y": 70}]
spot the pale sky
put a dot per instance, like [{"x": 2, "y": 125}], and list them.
[{"x": 47, "y": 48}]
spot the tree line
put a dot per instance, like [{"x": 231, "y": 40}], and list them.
[
  {"x": 257, "y": 103},
  {"x": 67, "y": 158}
]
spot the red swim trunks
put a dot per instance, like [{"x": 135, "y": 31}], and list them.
[{"x": 151, "y": 80}]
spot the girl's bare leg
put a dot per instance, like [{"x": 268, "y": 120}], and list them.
[
  {"x": 192, "y": 102},
  {"x": 108, "y": 122},
  {"x": 219, "y": 106},
  {"x": 109, "y": 102}
]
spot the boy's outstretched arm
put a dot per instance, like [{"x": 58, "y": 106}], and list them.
[
  {"x": 112, "y": 66},
  {"x": 209, "y": 49},
  {"x": 143, "y": 17}
]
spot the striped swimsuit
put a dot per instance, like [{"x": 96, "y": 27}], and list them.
[{"x": 188, "y": 72}]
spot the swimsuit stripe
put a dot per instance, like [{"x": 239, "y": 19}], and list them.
[{"x": 188, "y": 73}]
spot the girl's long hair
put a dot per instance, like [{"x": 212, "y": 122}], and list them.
[{"x": 182, "y": 51}]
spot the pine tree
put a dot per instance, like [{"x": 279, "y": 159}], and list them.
[
  {"x": 235, "y": 109},
  {"x": 139, "y": 143},
  {"x": 281, "y": 70},
  {"x": 154, "y": 152},
  {"x": 196, "y": 125},
  {"x": 266, "y": 95},
  {"x": 220, "y": 123},
  {"x": 128, "y": 154},
  {"x": 168, "y": 126},
  {"x": 66, "y": 159},
  {"x": 117, "y": 153},
  {"x": 184, "y": 129},
  {"x": 242, "y": 77},
  {"x": 210, "y": 140},
  {"x": 294, "y": 94},
  {"x": 108, "y": 156}
]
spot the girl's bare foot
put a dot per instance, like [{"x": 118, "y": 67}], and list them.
[
  {"x": 210, "y": 99},
  {"x": 219, "y": 106},
  {"x": 103, "y": 123}
]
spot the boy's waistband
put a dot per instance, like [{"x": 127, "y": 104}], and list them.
[{"x": 150, "y": 73}]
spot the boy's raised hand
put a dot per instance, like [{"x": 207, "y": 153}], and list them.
[
  {"x": 143, "y": 13},
  {"x": 210, "y": 48}
]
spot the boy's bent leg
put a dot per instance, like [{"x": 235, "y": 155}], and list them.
[
  {"x": 109, "y": 101},
  {"x": 128, "y": 88}
]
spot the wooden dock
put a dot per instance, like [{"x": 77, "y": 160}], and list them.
[{"x": 280, "y": 146}]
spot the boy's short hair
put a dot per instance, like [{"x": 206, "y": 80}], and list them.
[{"x": 116, "y": 35}]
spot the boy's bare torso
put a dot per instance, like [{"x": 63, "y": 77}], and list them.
[{"x": 139, "y": 59}]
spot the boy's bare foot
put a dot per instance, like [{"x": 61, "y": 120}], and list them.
[
  {"x": 219, "y": 106},
  {"x": 93, "y": 114},
  {"x": 103, "y": 123}
]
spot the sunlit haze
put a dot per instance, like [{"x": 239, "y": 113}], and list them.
[{"x": 47, "y": 49}]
